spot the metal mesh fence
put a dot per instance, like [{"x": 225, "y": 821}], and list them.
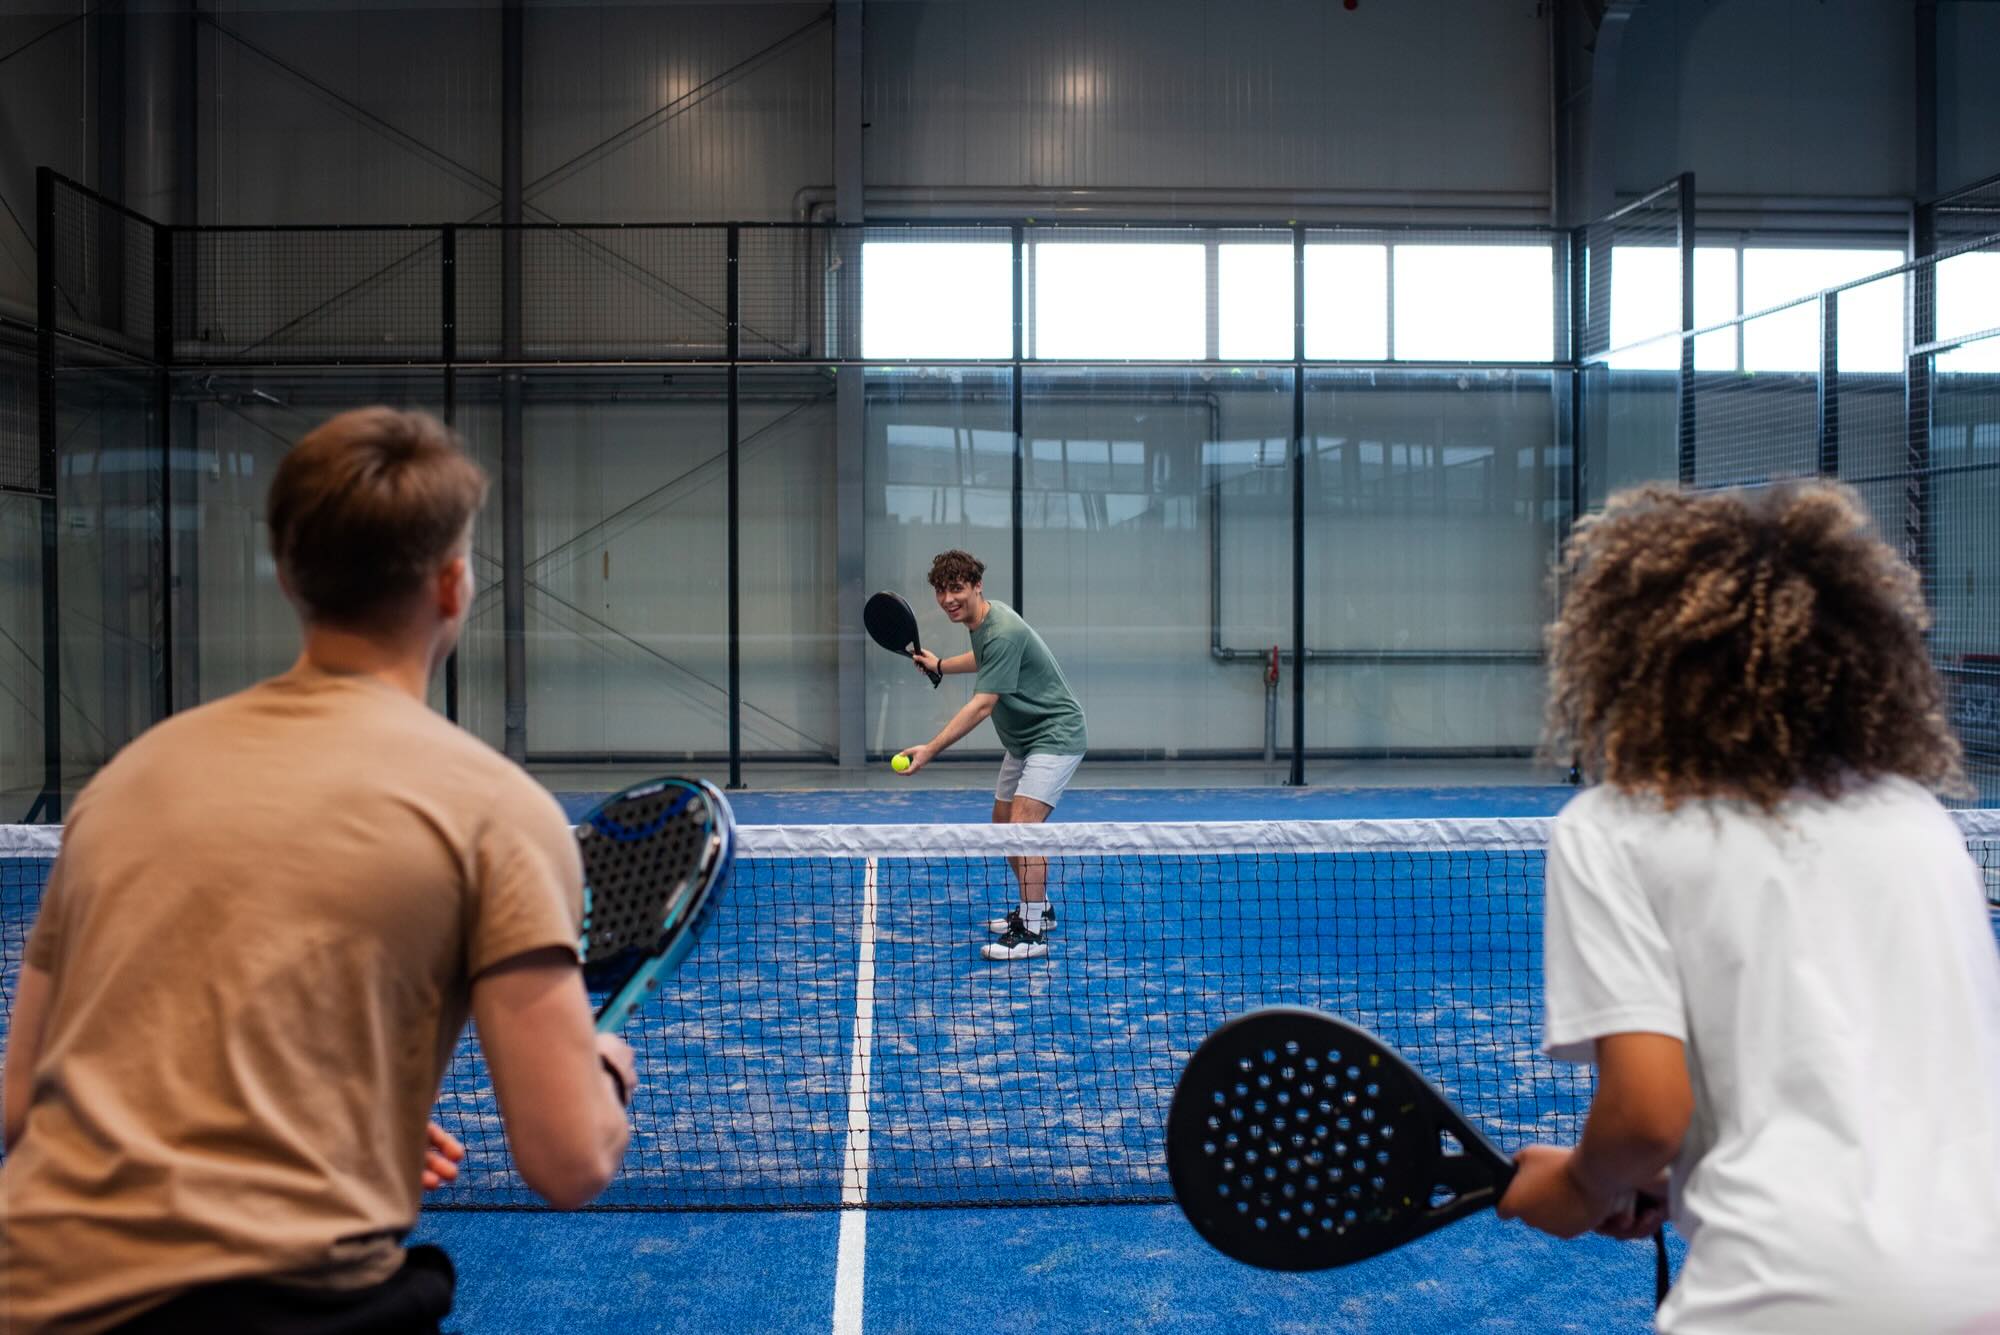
[
  {"x": 308, "y": 295},
  {"x": 104, "y": 262},
  {"x": 20, "y": 442},
  {"x": 1628, "y": 273}
]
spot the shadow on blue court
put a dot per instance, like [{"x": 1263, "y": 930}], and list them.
[{"x": 1080, "y": 1271}]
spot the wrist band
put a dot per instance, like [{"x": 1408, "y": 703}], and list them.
[{"x": 617, "y": 1081}]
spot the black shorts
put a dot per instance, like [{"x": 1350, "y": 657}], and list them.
[{"x": 411, "y": 1302}]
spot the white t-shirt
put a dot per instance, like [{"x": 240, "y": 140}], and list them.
[{"x": 1833, "y": 973}]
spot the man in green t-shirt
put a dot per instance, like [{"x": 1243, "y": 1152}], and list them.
[{"x": 1021, "y": 688}]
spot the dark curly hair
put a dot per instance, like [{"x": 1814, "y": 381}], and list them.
[
  {"x": 1743, "y": 645},
  {"x": 956, "y": 567}
]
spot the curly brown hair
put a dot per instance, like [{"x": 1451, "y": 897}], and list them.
[
  {"x": 1743, "y": 645},
  {"x": 956, "y": 567}
]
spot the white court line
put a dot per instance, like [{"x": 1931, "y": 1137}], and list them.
[{"x": 850, "y": 1270}]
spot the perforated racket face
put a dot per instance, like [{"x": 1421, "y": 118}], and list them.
[
  {"x": 643, "y": 860},
  {"x": 1298, "y": 1142}
]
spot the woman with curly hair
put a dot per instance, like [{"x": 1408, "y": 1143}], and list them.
[{"x": 1762, "y": 926}]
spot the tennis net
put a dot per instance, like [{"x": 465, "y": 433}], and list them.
[{"x": 836, "y": 1040}]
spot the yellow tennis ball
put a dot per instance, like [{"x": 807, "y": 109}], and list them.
[{"x": 901, "y": 764}]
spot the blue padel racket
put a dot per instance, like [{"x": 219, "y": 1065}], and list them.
[
  {"x": 893, "y": 625},
  {"x": 1297, "y": 1141},
  {"x": 655, "y": 858}
]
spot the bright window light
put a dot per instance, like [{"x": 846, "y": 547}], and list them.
[
  {"x": 1870, "y": 333},
  {"x": 1968, "y": 302},
  {"x": 1347, "y": 303},
  {"x": 1475, "y": 303},
  {"x": 1789, "y": 340},
  {"x": 1120, "y": 300},
  {"x": 1255, "y": 319},
  {"x": 937, "y": 299},
  {"x": 1646, "y": 300}
]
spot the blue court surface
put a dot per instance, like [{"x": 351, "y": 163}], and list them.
[
  {"x": 1044, "y": 1081},
  {"x": 1085, "y": 1269},
  {"x": 1007, "y": 1100}
]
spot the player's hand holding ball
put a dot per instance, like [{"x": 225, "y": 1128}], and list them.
[
  {"x": 901, "y": 764},
  {"x": 912, "y": 760}
]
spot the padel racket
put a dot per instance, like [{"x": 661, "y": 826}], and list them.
[
  {"x": 1297, "y": 1141},
  {"x": 655, "y": 858},
  {"x": 894, "y": 626}
]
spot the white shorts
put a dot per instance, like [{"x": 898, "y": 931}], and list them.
[{"x": 1042, "y": 777}]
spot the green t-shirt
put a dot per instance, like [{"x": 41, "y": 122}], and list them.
[{"x": 1036, "y": 713}]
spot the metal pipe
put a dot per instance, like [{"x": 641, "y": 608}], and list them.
[
  {"x": 48, "y": 804},
  {"x": 1297, "y": 778},
  {"x": 1520, "y": 206},
  {"x": 513, "y": 544},
  {"x": 734, "y": 524}
]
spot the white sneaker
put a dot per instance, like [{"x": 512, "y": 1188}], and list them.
[
  {"x": 1018, "y": 944},
  {"x": 1002, "y": 926}
]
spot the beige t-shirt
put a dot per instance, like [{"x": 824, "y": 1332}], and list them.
[{"x": 261, "y": 935}]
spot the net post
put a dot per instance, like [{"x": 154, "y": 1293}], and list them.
[{"x": 734, "y": 524}]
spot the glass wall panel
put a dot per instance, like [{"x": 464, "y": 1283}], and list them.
[
  {"x": 1964, "y": 573},
  {"x": 230, "y": 432},
  {"x": 625, "y": 554},
  {"x": 1432, "y": 518},
  {"x": 1157, "y": 531},
  {"x": 108, "y": 549},
  {"x": 791, "y": 649},
  {"x": 1630, "y": 427},
  {"x": 21, "y": 755},
  {"x": 938, "y": 474}
]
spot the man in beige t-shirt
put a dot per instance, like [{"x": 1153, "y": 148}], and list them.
[{"x": 269, "y": 921}]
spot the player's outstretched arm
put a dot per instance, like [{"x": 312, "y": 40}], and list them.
[
  {"x": 565, "y": 1120},
  {"x": 975, "y": 712}
]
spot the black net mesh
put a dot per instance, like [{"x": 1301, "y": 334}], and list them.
[{"x": 836, "y": 1039}]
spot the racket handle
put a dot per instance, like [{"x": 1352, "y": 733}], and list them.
[{"x": 936, "y": 678}]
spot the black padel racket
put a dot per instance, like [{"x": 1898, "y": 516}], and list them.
[
  {"x": 655, "y": 858},
  {"x": 1297, "y": 1141},
  {"x": 893, "y": 625}
]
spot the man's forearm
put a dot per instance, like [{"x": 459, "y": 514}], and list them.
[
  {"x": 964, "y": 721},
  {"x": 964, "y": 662}
]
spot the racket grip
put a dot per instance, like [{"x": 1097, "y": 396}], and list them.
[{"x": 937, "y": 678}]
